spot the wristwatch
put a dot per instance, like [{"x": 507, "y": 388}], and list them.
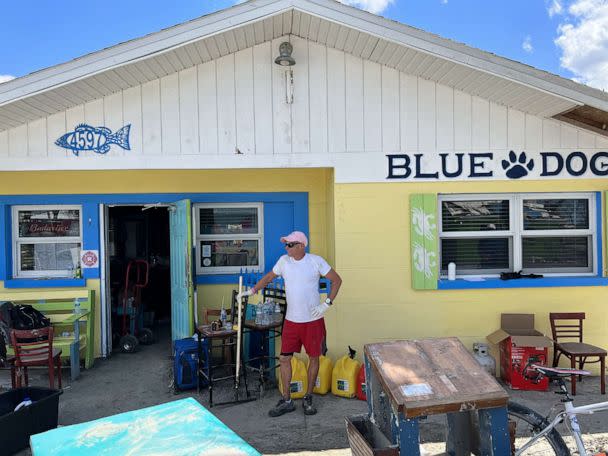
[{"x": 328, "y": 301}]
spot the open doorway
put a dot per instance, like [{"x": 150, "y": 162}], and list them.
[{"x": 139, "y": 279}]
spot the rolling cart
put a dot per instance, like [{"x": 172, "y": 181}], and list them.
[{"x": 131, "y": 312}]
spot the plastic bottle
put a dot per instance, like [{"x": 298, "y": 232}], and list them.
[
  {"x": 24, "y": 403},
  {"x": 323, "y": 381},
  {"x": 299, "y": 379},
  {"x": 76, "y": 306},
  {"x": 277, "y": 313},
  {"x": 344, "y": 375},
  {"x": 223, "y": 316}
]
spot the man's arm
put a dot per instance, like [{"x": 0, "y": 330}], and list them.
[
  {"x": 263, "y": 282},
  {"x": 336, "y": 282}
]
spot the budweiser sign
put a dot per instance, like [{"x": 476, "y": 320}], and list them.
[{"x": 49, "y": 228}]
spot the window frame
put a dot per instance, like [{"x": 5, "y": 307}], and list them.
[
  {"x": 516, "y": 232},
  {"x": 197, "y": 238},
  {"x": 17, "y": 241}
]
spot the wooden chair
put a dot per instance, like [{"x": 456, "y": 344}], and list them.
[
  {"x": 569, "y": 326},
  {"x": 35, "y": 348}
]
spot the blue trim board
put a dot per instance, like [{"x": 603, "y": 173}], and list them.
[
  {"x": 599, "y": 218},
  {"x": 292, "y": 205},
  {"x": 545, "y": 282}
]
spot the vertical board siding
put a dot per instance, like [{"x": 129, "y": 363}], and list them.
[
  {"x": 372, "y": 106},
  {"x": 336, "y": 101},
  {"x": 342, "y": 103},
  {"x": 112, "y": 119},
  {"x": 36, "y": 144},
  {"x": 169, "y": 114},
  {"x": 280, "y": 108},
  {"x": 445, "y": 118},
  {"x": 151, "y": 118},
  {"x": 300, "y": 128},
  {"x": 390, "y": 110},
  {"x": 207, "y": 108},
  {"x": 3, "y": 143},
  {"x": 317, "y": 72},
  {"x": 262, "y": 98},
  {"x": 133, "y": 115},
  {"x": 354, "y": 103},
  {"x": 463, "y": 122},
  {"x": 188, "y": 111},
  {"x": 409, "y": 112},
  {"x": 244, "y": 112}
]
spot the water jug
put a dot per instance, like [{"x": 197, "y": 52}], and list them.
[
  {"x": 323, "y": 382},
  {"x": 361, "y": 391},
  {"x": 482, "y": 355},
  {"x": 344, "y": 375},
  {"x": 299, "y": 379}
]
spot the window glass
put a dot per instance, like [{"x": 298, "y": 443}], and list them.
[
  {"x": 556, "y": 252},
  {"x": 475, "y": 254},
  {"x": 556, "y": 214},
  {"x": 483, "y": 215},
  {"x": 545, "y": 233},
  {"x": 229, "y": 237},
  {"x": 49, "y": 223},
  {"x": 49, "y": 256},
  {"x": 228, "y": 220},
  {"x": 229, "y": 253}
]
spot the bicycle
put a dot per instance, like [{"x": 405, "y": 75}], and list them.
[{"x": 544, "y": 438}]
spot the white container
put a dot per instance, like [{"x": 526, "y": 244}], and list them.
[
  {"x": 451, "y": 271},
  {"x": 482, "y": 354}
]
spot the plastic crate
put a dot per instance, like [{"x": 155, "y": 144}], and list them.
[{"x": 17, "y": 427}]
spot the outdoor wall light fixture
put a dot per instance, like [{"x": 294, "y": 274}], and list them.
[{"x": 286, "y": 60}]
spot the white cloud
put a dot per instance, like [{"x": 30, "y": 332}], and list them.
[
  {"x": 555, "y": 7},
  {"x": 373, "y": 6},
  {"x": 583, "y": 40},
  {"x": 527, "y": 45},
  {"x": 6, "y": 78},
  {"x": 444, "y": 2}
]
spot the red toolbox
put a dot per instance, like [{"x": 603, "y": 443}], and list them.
[{"x": 518, "y": 344}]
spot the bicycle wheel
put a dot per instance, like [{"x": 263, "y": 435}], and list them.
[{"x": 528, "y": 424}]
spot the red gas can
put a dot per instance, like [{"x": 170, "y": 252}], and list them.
[{"x": 361, "y": 393}]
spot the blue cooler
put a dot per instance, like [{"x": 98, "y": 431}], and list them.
[{"x": 185, "y": 362}]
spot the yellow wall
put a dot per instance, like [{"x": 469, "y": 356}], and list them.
[
  {"x": 377, "y": 302},
  {"x": 316, "y": 182}
]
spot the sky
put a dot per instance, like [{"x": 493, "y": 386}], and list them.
[{"x": 565, "y": 37}]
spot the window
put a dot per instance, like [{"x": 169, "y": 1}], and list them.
[
  {"x": 548, "y": 233},
  {"x": 46, "y": 240},
  {"x": 229, "y": 237}
]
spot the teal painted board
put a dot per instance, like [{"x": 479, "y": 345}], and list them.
[
  {"x": 178, "y": 428},
  {"x": 182, "y": 288}
]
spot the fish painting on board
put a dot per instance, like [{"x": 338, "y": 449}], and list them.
[{"x": 96, "y": 139}]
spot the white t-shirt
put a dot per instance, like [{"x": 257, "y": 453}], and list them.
[{"x": 301, "y": 284}]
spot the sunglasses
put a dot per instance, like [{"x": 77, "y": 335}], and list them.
[{"x": 292, "y": 244}]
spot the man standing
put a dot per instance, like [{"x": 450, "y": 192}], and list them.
[{"x": 304, "y": 323}]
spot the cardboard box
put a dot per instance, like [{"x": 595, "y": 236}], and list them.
[{"x": 519, "y": 342}]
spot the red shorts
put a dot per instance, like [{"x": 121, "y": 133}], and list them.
[{"x": 309, "y": 334}]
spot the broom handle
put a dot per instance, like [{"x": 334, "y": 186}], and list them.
[{"x": 239, "y": 331}]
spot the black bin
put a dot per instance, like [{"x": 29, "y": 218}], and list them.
[{"x": 16, "y": 427}]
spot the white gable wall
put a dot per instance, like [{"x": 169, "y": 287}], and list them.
[{"x": 347, "y": 113}]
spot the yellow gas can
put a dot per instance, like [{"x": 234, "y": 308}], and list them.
[
  {"x": 299, "y": 379},
  {"x": 344, "y": 375},
  {"x": 323, "y": 382}
]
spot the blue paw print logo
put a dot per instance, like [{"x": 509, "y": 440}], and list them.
[{"x": 516, "y": 166}]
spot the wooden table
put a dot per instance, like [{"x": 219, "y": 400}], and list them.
[
  {"x": 409, "y": 379},
  {"x": 205, "y": 331}
]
